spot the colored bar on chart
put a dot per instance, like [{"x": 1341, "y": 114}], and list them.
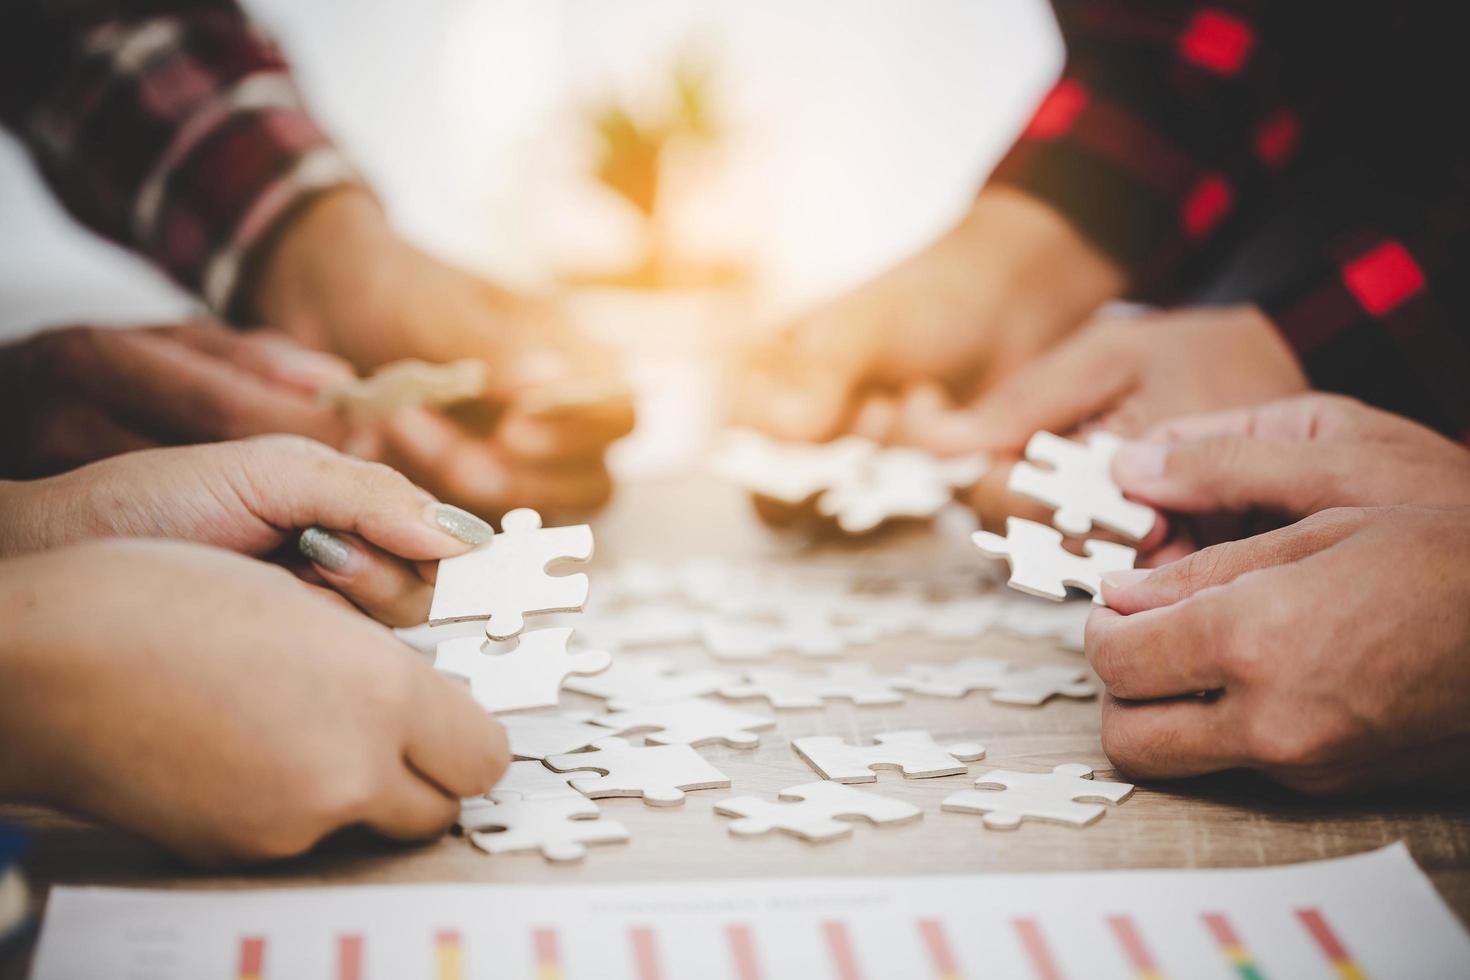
[
  {"x": 839, "y": 946},
  {"x": 1332, "y": 947},
  {"x": 742, "y": 952},
  {"x": 1134, "y": 947},
  {"x": 645, "y": 953},
  {"x": 1230, "y": 944},
  {"x": 1034, "y": 943},
  {"x": 349, "y": 957},
  {"x": 548, "y": 954},
  {"x": 252, "y": 958},
  {"x": 941, "y": 954},
  {"x": 448, "y": 955}
]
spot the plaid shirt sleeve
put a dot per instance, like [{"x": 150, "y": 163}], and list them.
[
  {"x": 1167, "y": 127},
  {"x": 172, "y": 127}
]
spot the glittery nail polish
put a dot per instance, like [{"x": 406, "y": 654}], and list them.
[
  {"x": 460, "y": 524},
  {"x": 325, "y": 548}
]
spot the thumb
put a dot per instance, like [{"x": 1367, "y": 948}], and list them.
[
  {"x": 1136, "y": 590},
  {"x": 1230, "y": 474},
  {"x": 293, "y": 483},
  {"x": 1058, "y": 392}
]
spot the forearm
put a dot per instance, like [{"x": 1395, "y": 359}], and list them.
[{"x": 39, "y": 515}]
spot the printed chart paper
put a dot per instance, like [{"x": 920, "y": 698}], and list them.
[{"x": 1372, "y": 915}]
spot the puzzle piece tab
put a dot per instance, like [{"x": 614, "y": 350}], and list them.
[
  {"x": 528, "y": 675},
  {"x": 1040, "y": 566},
  {"x": 660, "y": 774},
  {"x": 791, "y": 473},
  {"x": 559, "y": 827},
  {"x": 1037, "y": 685},
  {"x": 810, "y": 689},
  {"x": 505, "y": 579},
  {"x": 817, "y": 813},
  {"x": 692, "y": 721},
  {"x": 1080, "y": 485},
  {"x": 1052, "y": 796},
  {"x": 913, "y": 753}
]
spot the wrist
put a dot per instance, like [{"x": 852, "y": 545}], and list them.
[{"x": 325, "y": 277}]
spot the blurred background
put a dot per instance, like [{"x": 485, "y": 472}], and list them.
[{"x": 684, "y": 172}]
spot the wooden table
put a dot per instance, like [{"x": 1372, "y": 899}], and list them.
[{"x": 1226, "y": 821}]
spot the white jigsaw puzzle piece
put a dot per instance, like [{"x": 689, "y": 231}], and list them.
[
  {"x": 821, "y": 811},
  {"x": 659, "y": 774},
  {"x": 912, "y": 752},
  {"x": 505, "y": 579},
  {"x": 1036, "y": 685},
  {"x": 527, "y": 675},
  {"x": 962, "y": 618},
  {"x": 1052, "y": 796},
  {"x": 811, "y": 635},
  {"x": 897, "y": 483},
  {"x": 1040, "y": 566},
  {"x": 530, "y": 780},
  {"x": 559, "y": 827},
  {"x": 792, "y": 473},
  {"x": 953, "y": 680},
  {"x": 692, "y": 721},
  {"x": 811, "y": 689},
  {"x": 641, "y": 626},
  {"x": 632, "y": 682},
  {"x": 1080, "y": 485},
  {"x": 538, "y": 736}
]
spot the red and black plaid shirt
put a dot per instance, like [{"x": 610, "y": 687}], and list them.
[
  {"x": 170, "y": 126},
  {"x": 1178, "y": 128}
]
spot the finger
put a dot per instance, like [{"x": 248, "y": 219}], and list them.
[
  {"x": 1171, "y": 739},
  {"x": 72, "y": 434},
  {"x": 172, "y": 390},
  {"x": 1159, "y": 653},
  {"x": 993, "y": 501},
  {"x": 1302, "y": 417},
  {"x": 411, "y": 809},
  {"x": 291, "y": 483},
  {"x": 876, "y": 418},
  {"x": 267, "y": 354},
  {"x": 1082, "y": 378},
  {"x": 1234, "y": 474},
  {"x": 455, "y": 743},
  {"x": 1136, "y": 590},
  {"x": 387, "y": 589},
  {"x": 568, "y": 419}
]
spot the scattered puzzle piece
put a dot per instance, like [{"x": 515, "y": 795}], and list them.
[
  {"x": 505, "y": 579},
  {"x": 529, "y": 780},
  {"x": 631, "y": 682},
  {"x": 896, "y": 483},
  {"x": 818, "y": 814},
  {"x": 815, "y": 635},
  {"x": 1080, "y": 485},
  {"x": 809, "y": 689},
  {"x": 538, "y": 736},
  {"x": 528, "y": 675},
  {"x": 660, "y": 774},
  {"x": 408, "y": 383},
  {"x": 692, "y": 721},
  {"x": 641, "y": 626},
  {"x": 792, "y": 473},
  {"x": 912, "y": 752},
  {"x": 1037, "y": 685},
  {"x": 1040, "y": 566},
  {"x": 1051, "y": 796},
  {"x": 962, "y": 618},
  {"x": 559, "y": 827},
  {"x": 953, "y": 680}
]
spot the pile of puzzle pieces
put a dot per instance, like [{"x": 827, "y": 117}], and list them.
[{"x": 774, "y": 636}]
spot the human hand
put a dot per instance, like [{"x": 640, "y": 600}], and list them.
[
  {"x": 1282, "y": 461},
  {"x": 1004, "y": 284},
  {"x": 1335, "y": 653},
  {"x": 85, "y": 393},
  {"x": 362, "y": 525},
  {"x": 341, "y": 279},
  {"x": 1123, "y": 374},
  {"x": 209, "y": 702}
]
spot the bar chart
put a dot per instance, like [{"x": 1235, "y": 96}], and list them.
[{"x": 1369, "y": 915}]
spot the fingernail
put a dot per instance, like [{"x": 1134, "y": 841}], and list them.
[
  {"x": 460, "y": 524},
  {"x": 1125, "y": 577},
  {"x": 325, "y": 548},
  {"x": 1140, "y": 462}
]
